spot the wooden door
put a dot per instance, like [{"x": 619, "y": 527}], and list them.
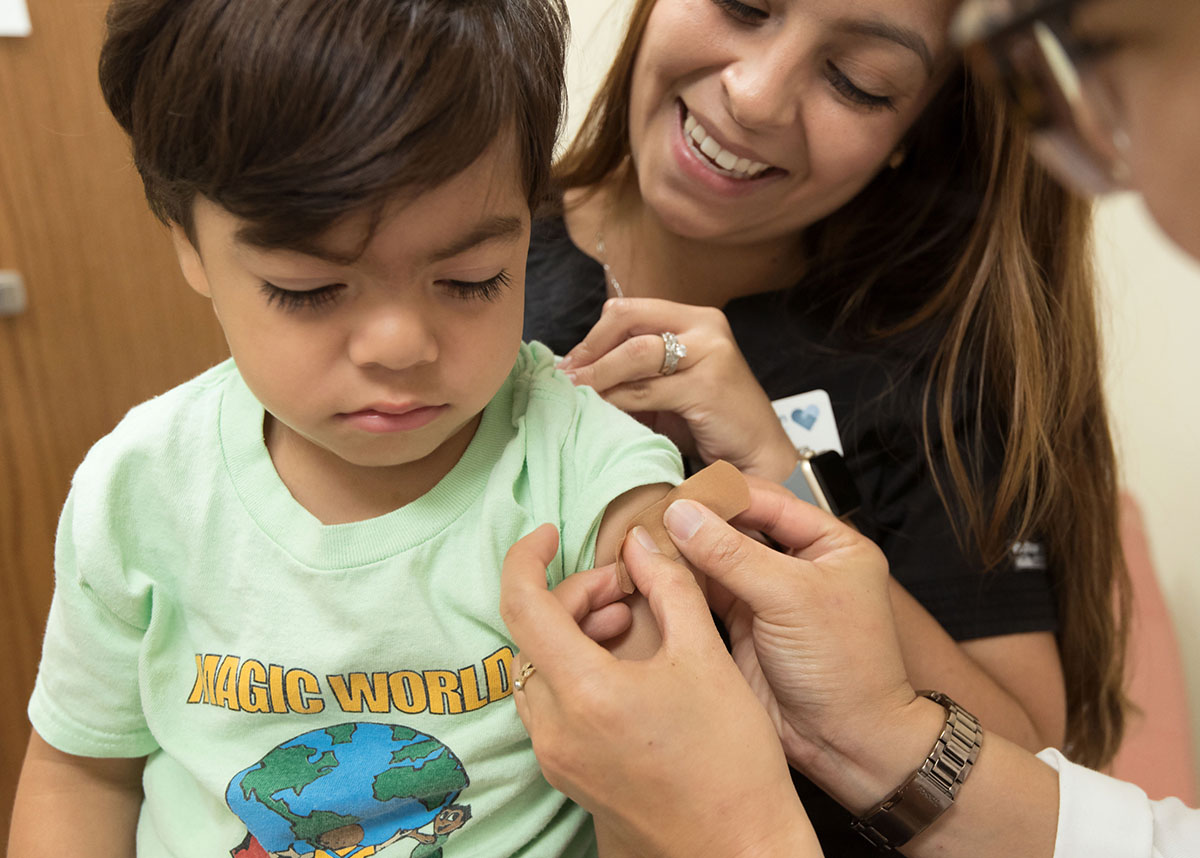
[{"x": 109, "y": 320}]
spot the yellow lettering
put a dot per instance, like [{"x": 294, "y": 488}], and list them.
[
  {"x": 408, "y": 691},
  {"x": 275, "y": 683},
  {"x": 497, "y": 667},
  {"x": 444, "y": 698},
  {"x": 197, "y": 695},
  {"x": 300, "y": 684},
  {"x": 206, "y": 672},
  {"x": 470, "y": 689},
  {"x": 252, "y": 690},
  {"x": 373, "y": 689},
  {"x": 226, "y": 686}
]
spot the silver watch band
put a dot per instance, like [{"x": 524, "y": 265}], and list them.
[{"x": 932, "y": 788}]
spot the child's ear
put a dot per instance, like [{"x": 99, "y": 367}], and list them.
[{"x": 189, "y": 261}]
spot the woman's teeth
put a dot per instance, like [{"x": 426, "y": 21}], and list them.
[{"x": 726, "y": 161}]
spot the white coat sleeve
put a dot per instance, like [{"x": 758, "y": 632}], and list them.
[{"x": 1101, "y": 817}]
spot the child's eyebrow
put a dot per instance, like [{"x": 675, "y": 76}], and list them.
[{"x": 487, "y": 230}]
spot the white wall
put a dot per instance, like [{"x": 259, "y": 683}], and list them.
[
  {"x": 596, "y": 28},
  {"x": 1151, "y": 295}
]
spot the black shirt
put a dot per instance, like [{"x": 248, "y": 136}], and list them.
[{"x": 876, "y": 394}]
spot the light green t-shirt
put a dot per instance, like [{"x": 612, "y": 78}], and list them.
[{"x": 288, "y": 679}]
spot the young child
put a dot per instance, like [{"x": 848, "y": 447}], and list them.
[{"x": 275, "y": 629}]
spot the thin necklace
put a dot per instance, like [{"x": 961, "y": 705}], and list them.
[{"x": 602, "y": 255}]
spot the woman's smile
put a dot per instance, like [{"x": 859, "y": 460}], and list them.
[{"x": 726, "y": 161}]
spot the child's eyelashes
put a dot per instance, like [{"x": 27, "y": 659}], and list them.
[
  {"x": 486, "y": 290},
  {"x": 296, "y": 300},
  {"x": 293, "y": 300}
]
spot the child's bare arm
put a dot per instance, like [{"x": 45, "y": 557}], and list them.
[
  {"x": 642, "y": 639},
  {"x": 68, "y": 805},
  {"x": 720, "y": 486}
]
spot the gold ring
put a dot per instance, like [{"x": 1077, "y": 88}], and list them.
[{"x": 526, "y": 672}]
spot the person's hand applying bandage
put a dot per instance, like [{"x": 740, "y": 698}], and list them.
[{"x": 615, "y": 736}]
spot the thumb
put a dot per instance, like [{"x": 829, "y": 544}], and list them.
[
  {"x": 676, "y": 601},
  {"x": 536, "y": 548},
  {"x": 756, "y": 574}
]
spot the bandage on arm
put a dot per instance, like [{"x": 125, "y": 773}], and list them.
[{"x": 720, "y": 487}]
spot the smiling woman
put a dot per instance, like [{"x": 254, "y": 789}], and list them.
[
  {"x": 810, "y": 620},
  {"x": 817, "y": 195}
]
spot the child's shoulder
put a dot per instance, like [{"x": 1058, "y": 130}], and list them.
[
  {"x": 560, "y": 414},
  {"x": 167, "y": 430},
  {"x": 536, "y": 377},
  {"x": 544, "y": 395}
]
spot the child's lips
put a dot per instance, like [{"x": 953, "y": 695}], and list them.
[{"x": 382, "y": 419}]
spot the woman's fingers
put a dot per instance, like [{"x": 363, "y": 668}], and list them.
[
  {"x": 636, "y": 358},
  {"x": 584, "y": 593},
  {"x": 624, "y": 318},
  {"x": 608, "y": 622},
  {"x": 542, "y": 623},
  {"x": 596, "y": 601},
  {"x": 754, "y": 573},
  {"x": 675, "y": 599},
  {"x": 805, "y": 530}
]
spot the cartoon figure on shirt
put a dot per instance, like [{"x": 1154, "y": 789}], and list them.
[
  {"x": 445, "y": 823},
  {"x": 348, "y": 791}
]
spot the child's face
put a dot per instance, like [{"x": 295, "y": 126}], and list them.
[{"x": 385, "y": 361}]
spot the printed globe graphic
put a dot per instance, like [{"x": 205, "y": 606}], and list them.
[{"x": 382, "y": 777}]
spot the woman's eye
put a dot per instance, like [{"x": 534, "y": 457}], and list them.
[
  {"x": 846, "y": 88},
  {"x": 481, "y": 290},
  {"x": 742, "y": 11},
  {"x": 1087, "y": 51},
  {"x": 293, "y": 300}
]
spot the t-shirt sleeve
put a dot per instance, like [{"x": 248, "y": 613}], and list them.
[
  {"x": 596, "y": 451},
  {"x": 86, "y": 699},
  {"x": 607, "y": 454}
]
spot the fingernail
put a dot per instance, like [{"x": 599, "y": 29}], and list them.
[
  {"x": 683, "y": 519},
  {"x": 646, "y": 540},
  {"x": 566, "y": 363},
  {"x": 571, "y": 377}
]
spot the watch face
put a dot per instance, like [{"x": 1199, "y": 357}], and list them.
[{"x": 836, "y": 483}]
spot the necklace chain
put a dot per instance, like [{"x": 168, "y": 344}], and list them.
[{"x": 602, "y": 253}]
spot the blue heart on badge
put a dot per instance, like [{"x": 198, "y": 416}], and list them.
[{"x": 807, "y": 417}]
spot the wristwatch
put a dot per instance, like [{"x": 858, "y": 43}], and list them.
[
  {"x": 823, "y": 480},
  {"x": 931, "y": 789}
]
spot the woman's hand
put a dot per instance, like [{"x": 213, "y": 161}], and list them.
[
  {"x": 812, "y": 630},
  {"x": 672, "y": 754},
  {"x": 711, "y": 406}
]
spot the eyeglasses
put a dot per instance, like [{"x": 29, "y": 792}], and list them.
[{"x": 1028, "y": 47}]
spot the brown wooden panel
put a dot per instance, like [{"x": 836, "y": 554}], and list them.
[{"x": 110, "y": 322}]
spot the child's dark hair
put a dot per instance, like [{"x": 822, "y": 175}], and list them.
[{"x": 291, "y": 114}]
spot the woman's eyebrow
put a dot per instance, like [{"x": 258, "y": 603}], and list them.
[{"x": 903, "y": 36}]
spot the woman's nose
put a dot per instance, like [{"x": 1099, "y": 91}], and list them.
[
  {"x": 394, "y": 338},
  {"x": 763, "y": 91}
]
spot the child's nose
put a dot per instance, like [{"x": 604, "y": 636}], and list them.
[{"x": 393, "y": 338}]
